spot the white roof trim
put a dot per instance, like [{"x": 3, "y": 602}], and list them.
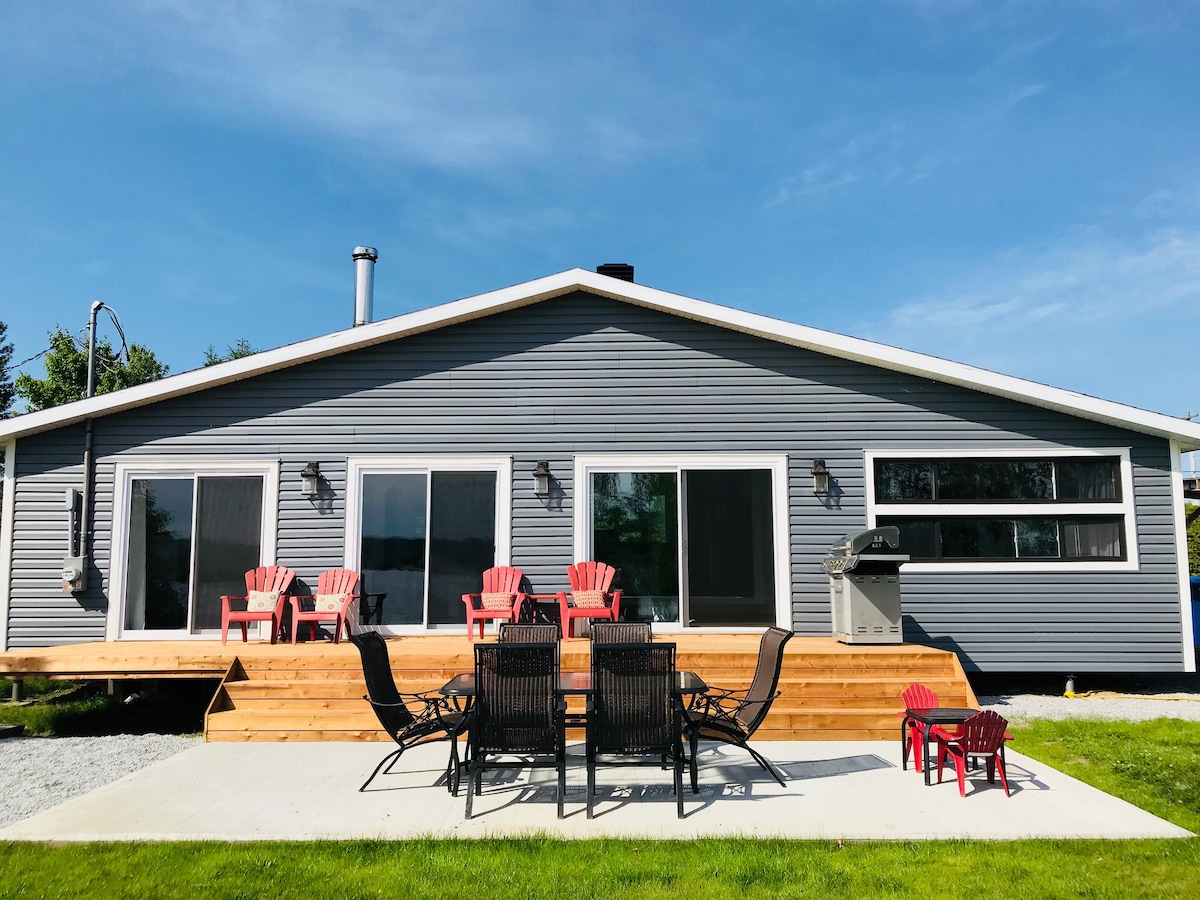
[{"x": 880, "y": 355}]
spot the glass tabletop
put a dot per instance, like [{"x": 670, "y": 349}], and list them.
[
  {"x": 571, "y": 683},
  {"x": 940, "y": 715}
]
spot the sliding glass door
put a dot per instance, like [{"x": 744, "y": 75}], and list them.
[
  {"x": 635, "y": 527},
  {"x": 189, "y": 540},
  {"x": 425, "y": 530},
  {"x": 695, "y": 547},
  {"x": 730, "y": 578}
]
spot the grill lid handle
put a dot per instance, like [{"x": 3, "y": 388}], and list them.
[{"x": 885, "y": 539}]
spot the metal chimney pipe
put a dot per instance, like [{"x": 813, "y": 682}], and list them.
[{"x": 364, "y": 283}]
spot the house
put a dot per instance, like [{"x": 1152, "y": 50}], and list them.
[{"x": 674, "y": 438}]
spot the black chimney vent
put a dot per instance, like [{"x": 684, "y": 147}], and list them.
[{"x": 624, "y": 271}]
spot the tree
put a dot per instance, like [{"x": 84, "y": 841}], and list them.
[
  {"x": 7, "y": 391},
  {"x": 1193, "y": 541},
  {"x": 237, "y": 351},
  {"x": 66, "y": 371}
]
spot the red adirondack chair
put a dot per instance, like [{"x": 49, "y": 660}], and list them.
[
  {"x": 590, "y": 595},
  {"x": 264, "y": 579},
  {"x": 501, "y": 598},
  {"x": 916, "y": 696},
  {"x": 335, "y": 593},
  {"x": 983, "y": 735}
]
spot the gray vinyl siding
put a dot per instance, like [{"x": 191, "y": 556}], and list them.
[{"x": 583, "y": 375}]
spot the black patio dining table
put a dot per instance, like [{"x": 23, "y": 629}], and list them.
[
  {"x": 930, "y": 716},
  {"x": 463, "y": 686}
]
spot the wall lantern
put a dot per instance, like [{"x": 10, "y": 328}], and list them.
[
  {"x": 310, "y": 479},
  {"x": 541, "y": 478},
  {"x": 820, "y": 476}
]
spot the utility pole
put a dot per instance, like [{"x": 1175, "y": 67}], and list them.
[{"x": 75, "y": 568}]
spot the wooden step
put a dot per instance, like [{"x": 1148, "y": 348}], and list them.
[
  {"x": 304, "y": 735},
  {"x": 305, "y": 705},
  {"x": 828, "y": 691},
  {"x": 297, "y": 689}
]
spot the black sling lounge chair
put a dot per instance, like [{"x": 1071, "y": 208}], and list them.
[
  {"x": 733, "y": 716},
  {"x": 436, "y": 720}
]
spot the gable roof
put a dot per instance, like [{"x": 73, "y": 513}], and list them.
[{"x": 530, "y": 292}]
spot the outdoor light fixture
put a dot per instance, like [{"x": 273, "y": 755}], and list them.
[
  {"x": 310, "y": 478},
  {"x": 820, "y": 476},
  {"x": 541, "y": 478}
]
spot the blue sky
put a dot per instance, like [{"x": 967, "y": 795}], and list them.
[{"x": 1014, "y": 186}]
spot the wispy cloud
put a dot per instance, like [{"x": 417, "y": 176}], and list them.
[
  {"x": 1019, "y": 95},
  {"x": 437, "y": 84},
  {"x": 927, "y": 127},
  {"x": 1090, "y": 310},
  {"x": 905, "y": 152}
]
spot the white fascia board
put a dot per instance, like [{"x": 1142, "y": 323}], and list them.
[{"x": 1187, "y": 434}]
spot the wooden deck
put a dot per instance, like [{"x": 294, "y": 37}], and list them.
[{"x": 313, "y": 692}]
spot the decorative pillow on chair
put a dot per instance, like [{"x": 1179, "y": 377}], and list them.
[
  {"x": 497, "y": 601},
  {"x": 262, "y": 601},
  {"x": 588, "y": 599},
  {"x": 330, "y": 603}
]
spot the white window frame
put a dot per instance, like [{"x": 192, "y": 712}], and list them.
[
  {"x": 1124, "y": 508},
  {"x": 776, "y": 463},
  {"x": 358, "y": 466},
  {"x": 125, "y": 472}
]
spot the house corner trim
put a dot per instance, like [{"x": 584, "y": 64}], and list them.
[
  {"x": 1181, "y": 558},
  {"x": 7, "y": 520}
]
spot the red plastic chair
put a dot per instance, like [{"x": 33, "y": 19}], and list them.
[
  {"x": 983, "y": 735},
  {"x": 588, "y": 576},
  {"x": 330, "y": 584},
  {"x": 498, "y": 580},
  {"x": 264, "y": 578},
  {"x": 916, "y": 696}
]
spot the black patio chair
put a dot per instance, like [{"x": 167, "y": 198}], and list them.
[
  {"x": 732, "y": 716},
  {"x": 621, "y": 633},
  {"x": 516, "y": 713},
  {"x": 435, "y": 720},
  {"x": 633, "y": 711},
  {"x": 528, "y": 634}
]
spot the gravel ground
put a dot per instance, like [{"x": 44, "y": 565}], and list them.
[
  {"x": 38, "y": 773},
  {"x": 1100, "y": 705}
]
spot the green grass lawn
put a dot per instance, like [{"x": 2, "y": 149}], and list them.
[
  {"x": 53, "y": 707},
  {"x": 1151, "y": 764}
]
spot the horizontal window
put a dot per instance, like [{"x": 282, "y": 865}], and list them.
[
  {"x": 1014, "y": 480},
  {"x": 968, "y": 538}
]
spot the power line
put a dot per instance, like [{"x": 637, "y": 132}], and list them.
[
  {"x": 80, "y": 340},
  {"x": 74, "y": 337}
]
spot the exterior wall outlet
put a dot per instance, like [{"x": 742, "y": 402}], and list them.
[{"x": 74, "y": 574}]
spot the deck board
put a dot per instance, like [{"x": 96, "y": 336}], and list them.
[{"x": 313, "y": 691}]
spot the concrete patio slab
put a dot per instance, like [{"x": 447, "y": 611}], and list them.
[{"x": 852, "y": 790}]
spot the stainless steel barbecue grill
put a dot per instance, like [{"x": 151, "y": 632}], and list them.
[{"x": 864, "y": 586}]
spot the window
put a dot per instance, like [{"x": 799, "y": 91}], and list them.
[
  {"x": 1018, "y": 509},
  {"x": 997, "y": 480},
  {"x": 998, "y": 538}
]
